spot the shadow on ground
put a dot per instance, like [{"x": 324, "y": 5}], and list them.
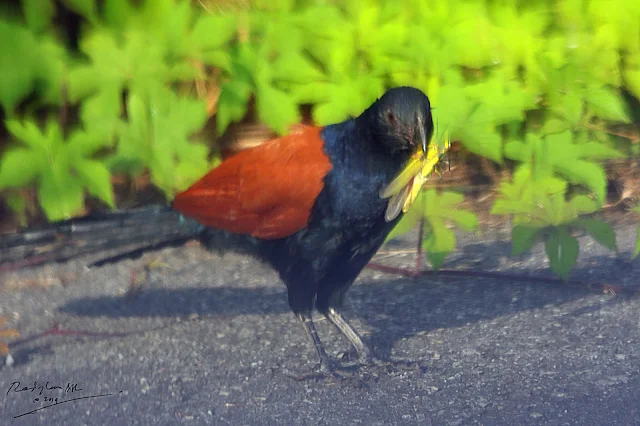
[{"x": 393, "y": 309}]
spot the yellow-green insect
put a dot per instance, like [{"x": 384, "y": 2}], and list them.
[{"x": 404, "y": 189}]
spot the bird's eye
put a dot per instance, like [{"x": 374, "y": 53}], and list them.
[{"x": 391, "y": 118}]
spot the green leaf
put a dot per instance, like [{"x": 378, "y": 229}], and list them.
[
  {"x": 157, "y": 136},
  {"x": 571, "y": 107},
  {"x": 500, "y": 101},
  {"x": 51, "y": 73},
  {"x": 465, "y": 220},
  {"x": 100, "y": 113},
  {"x": 117, "y": 12},
  {"x": 61, "y": 168},
  {"x": 523, "y": 238},
  {"x": 582, "y": 204},
  {"x": 18, "y": 168},
  {"x": 598, "y": 151},
  {"x": 294, "y": 67},
  {"x": 83, "y": 81},
  {"x": 192, "y": 167},
  {"x": 408, "y": 221},
  {"x": 218, "y": 58},
  {"x": 483, "y": 139},
  {"x": 232, "y": 103},
  {"x": 445, "y": 199},
  {"x": 590, "y": 174},
  {"x": 276, "y": 108},
  {"x": 562, "y": 250},
  {"x": 311, "y": 93},
  {"x": 637, "y": 249},
  {"x": 38, "y": 14},
  {"x": 341, "y": 98},
  {"x": 559, "y": 153},
  {"x": 26, "y": 132},
  {"x": 554, "y": 125},
  {"x": 439, "y": 242},
  {"x": 330, "y": 112},
  {"x": 607, "y": 104},
  {"x": 60, "y": 194},
  {"x": 541, "y": 158},
  {"x": 601, "y": 231},
  {"x": 18, "y": 64},
  {"x": 517, "y": 150},
  {"x": 82, "y": 144},
  {"x": 212, "y": 32},
  {"x": 96, "y": 178}
]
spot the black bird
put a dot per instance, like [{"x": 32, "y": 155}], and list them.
[{"x": 307, "y": 203}]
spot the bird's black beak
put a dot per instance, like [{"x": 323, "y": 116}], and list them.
[{"x": 422, "y": 134}]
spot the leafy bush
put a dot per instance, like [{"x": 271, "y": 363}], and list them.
[
  {"x": 534, "y": 86},
  {"x": 141, "y": 54}
]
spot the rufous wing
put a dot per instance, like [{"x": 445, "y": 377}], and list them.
[{"x": 267, "y": 191}]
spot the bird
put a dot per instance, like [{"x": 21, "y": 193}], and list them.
[{"x": 306, "y": 203}]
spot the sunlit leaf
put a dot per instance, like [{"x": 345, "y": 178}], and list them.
[
  {"x": 18, "y": 64},
  {"x": 277, "y": 109},
  {"x": 294, "y": 67},
  {"x": 59, "y": 194},
  {"x": 19, "y": 167},
  {"x": 607, "y": 104},
  {"x": 212, "y": 32},
  {"x": 97, "y": 180}
]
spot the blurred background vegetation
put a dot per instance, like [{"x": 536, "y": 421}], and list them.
[{"x": 113, "y": 103}]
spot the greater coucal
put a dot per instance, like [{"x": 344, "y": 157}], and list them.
[{"x": 307, "y": 203}]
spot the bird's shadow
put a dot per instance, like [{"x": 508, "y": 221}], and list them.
[{"x": 392, "y": 309}]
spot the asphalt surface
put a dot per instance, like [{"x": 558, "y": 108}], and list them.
[{"x": 206, "y": 340}]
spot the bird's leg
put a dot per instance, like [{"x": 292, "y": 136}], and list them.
[
  {"x": 365, "y": 355},
  {"x": 326, "y": 364},
  {"x": 310, "y": 329}
]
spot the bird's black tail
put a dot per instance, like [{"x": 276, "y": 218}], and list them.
[{"x": 132, "y": 231}]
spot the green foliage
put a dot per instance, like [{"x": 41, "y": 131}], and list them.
[
  {"x": 533, "y": 85},
  {"x": 28, "y": 62},
  {"x": 541, "y": 211},
  {"x": 156, "y": 136},
  {"x": 60, "y": 168},
  {"x": 133, "y": 53},
  {"x": 435, "y": 211},
  {"x": 559, "y": 154}
]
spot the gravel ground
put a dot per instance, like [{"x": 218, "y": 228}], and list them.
[{"x": 206, "y": 340}]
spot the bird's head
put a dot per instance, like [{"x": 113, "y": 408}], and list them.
[{"x": 401, "y": 121}]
